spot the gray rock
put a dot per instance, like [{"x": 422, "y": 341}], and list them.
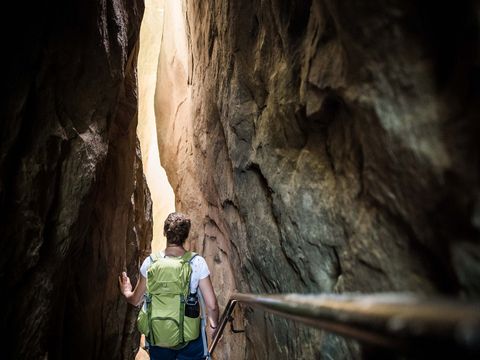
[{"x": 335, "y": 146}]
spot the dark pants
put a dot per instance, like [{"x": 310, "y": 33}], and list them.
[{"x": 193, "y": 351}]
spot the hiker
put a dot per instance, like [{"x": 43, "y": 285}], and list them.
[{"x": 159, "y": 267}]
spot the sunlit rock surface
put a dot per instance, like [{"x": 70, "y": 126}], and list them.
[
  {"x": 178, "y": 131},
  {"x": 75, "y": 206},
  {"x": 325, "y": 146},
  {"x": 163, "y": 198}
]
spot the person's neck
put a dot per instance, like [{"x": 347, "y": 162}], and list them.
[{"x": 174, "y": 250}]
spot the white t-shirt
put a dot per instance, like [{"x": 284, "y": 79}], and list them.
[{"x": 199, "y": 270}]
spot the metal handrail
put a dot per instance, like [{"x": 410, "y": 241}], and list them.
[{"x": 400, "y": 321}]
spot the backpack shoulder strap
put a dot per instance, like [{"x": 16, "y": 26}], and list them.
[
  {"x": 194, "y": 254},
  {"x": 154, "y": 257},
  {"x": 188, "y": 256}
]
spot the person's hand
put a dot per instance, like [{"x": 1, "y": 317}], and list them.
[
  {"x": 124, "y": 282},
  {"x": 211, "y": 332}
]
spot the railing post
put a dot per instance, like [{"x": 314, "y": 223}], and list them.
[{"x": 223, "y": 322}]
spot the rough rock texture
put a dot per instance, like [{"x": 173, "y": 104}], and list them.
[
  {"x": 326, "y": 146},
  {"x": 74, "y": 202},
  {"x": 176, "y": 130}
]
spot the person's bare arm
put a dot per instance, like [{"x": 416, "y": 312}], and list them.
[
  {"x": 133, "y": 297},
  {"x": 211, "y": 304}
]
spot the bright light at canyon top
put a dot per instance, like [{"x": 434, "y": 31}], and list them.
[{"x": 163, "y": 198}]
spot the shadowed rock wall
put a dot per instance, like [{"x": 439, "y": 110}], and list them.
[
  {"x": 75, "y": 205},
  {"x": 331, "y": 147}
]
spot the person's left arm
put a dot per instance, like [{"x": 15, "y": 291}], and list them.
[{"x": 134, "y": 296}]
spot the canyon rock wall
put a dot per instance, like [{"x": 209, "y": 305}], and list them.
[
  {"x": 75, "y": 205},
  {"x": 326, "y": 147},
  {"x": 178, "y": 132}
]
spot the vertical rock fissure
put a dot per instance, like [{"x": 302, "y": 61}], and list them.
[{"x": 317, "y": 146}]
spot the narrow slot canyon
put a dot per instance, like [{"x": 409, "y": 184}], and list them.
[
  {"x": 318, "y": 147},
  {"x": 161, "y": 192}
]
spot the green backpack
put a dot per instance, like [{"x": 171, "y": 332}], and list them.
[{"x": 163, "y": 319}]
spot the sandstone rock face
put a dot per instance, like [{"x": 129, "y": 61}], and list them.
[
  {"x": 178, "y": 131},
  {"x": 163, "y": 198},
  {"x": 76, "y": 208},
  {"x": 326, "y": 146}
]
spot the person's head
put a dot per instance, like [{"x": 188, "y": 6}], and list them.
[{"x": 176, "y": 228}]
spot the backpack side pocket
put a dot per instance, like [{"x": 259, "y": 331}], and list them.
[{"x": 142, "y": 322}]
